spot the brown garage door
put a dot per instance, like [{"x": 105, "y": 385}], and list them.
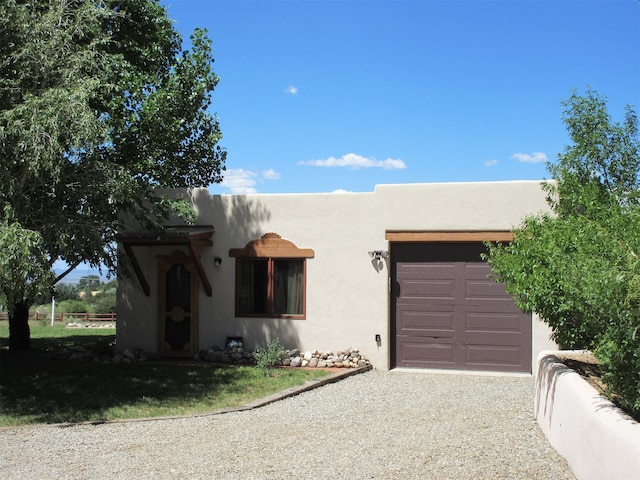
[{"x": 446, "y": 313}]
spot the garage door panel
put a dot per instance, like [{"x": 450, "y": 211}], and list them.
[
  {"x": 477, "y": 269},
  {"x": 415, "y": 290},
  {"x": 482, "y": 357},
  {"x": 426, "y": 353},
  {"x": 480, "y": 287},
  {"x": 494, "y": 323},
  {"x": 484, "y": 289},
  {"x": 480, "y": 292},
  {"x": 444, "y": 295},
  {"x": 421, "y": 323},
  {"x": 422, "y": 281},
  {"x": 428, "y": 270},
  {"x": 487, "y": 338}
]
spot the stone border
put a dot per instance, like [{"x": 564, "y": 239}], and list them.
[
  {"x": 596, "y": 437},
  {"x": 305, "y": 387},
  {"x": 235, "y": 353}
]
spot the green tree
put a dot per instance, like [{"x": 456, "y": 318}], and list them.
[
  {"x": 105, "y": 302},
  {"x": 89, "y": 283},
  {"x": 65, "y": 291},
  {"x": 22, "y": 275},
  {"x": 99, "y": 110},
  {"x": 579, "y": 267}
]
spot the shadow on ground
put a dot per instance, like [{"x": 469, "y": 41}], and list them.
[{"x": 35, "y": 387}]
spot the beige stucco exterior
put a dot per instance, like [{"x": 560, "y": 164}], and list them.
[{"x": 347, "y": 301}]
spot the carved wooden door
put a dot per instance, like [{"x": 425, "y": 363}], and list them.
[{"x": 177, "y": 306}]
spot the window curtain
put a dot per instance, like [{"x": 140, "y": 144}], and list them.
[
  {"x": 295, "y": 287},
  {"x": 246, "y": 301},
  {"x": 288, "y": 286},
  {"x": 253, "y": 287}
]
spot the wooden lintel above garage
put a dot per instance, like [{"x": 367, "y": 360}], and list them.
[{"x": 448, "y": 236}]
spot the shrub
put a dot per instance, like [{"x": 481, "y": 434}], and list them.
[
  {"x": 66, "y": 291},
  {"x": 105, "y": 303},
  {"x": 72, "y": 306},
  {"x": 269, "y": 357},
  {"x": 579, "y": 267}
]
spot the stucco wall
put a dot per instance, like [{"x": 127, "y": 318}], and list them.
[
  {"x": 594, "y": 435},
  {"x": 347, "y": 298}
]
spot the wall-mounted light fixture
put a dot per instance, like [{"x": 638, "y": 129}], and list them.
[
  {"x": 217, "y": 261},
  {"x": 379, "y": 254}
]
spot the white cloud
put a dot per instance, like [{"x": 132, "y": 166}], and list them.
[
  {"x": 291, "y": 90},
  {"x": 535, "y": 157},
  {"x": 341, "y": 190},
  {"x": 354, "y": 161},
  {"x": 270, "y": 174},
  {"x": 491, "y": 163},
  {"x": 239, "y": 180}
]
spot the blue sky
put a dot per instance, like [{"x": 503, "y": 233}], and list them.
[{"x": 329, "y": 96}]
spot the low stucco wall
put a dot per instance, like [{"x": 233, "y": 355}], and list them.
[{"x": 598, "y": 440}]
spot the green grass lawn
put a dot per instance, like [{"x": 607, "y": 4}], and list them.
[{"x": 37, "y": 388}]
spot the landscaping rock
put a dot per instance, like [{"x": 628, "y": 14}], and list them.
[
  {"x": 237, "y": 355},
  {"x": 91, "y": 325}
]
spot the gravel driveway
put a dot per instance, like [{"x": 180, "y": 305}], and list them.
[{"x": 380, "y": 425}]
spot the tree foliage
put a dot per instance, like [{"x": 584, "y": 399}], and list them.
[
  {"x": 89, "y": 283},
  {"x": 99, "y": 109},
  {"x": 579, "y": 267},
  {"x": 62, "y": 292},
  {"x": 23, "y": 275}
]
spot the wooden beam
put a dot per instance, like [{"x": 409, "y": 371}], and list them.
[
  {"x": 445, "y": 236},
  {"x": 171, "y": 236},
  {"x": 137, "y": 270},
  {"x": 145, "y": 242},
  {"x": 197, "y": 261}
]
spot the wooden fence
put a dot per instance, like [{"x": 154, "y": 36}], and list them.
[{"x": 68, "y": 317}]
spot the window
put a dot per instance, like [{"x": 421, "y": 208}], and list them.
[
  {"x": 270, "y": 287},
  {"x": 271, "y": 278}
]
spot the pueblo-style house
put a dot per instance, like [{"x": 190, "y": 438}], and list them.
[{"x": 396, "y": 273}]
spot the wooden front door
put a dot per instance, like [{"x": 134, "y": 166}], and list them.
[{"x": 177, "y": 306}]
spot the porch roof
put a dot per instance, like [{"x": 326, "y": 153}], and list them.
[
  {"x": 172, "y": 235},
  {"x": 187, "y": 235}
]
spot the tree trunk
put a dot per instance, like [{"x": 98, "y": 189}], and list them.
[{"x": 19, "y": 332}]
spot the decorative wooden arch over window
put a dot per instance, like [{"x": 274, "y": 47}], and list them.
[
  {"x": 271, "y": 277},
  {"x": 271, "y": 245}
]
